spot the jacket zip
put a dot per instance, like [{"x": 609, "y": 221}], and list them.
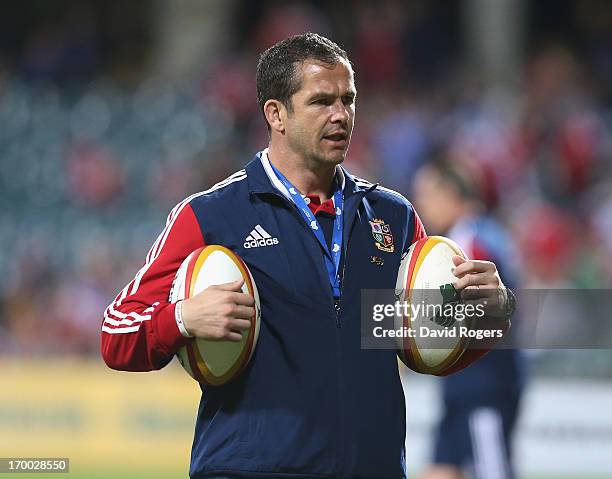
[
  {"x": 336, "y": 302},
  {"x": 337, "y": 308},
  {"x": 337, "y": 305}
]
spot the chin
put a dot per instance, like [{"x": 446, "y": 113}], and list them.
[
  {"x": 339, "y": 159},
  {"x": 330, "y": 157},
  {"x": 336, "y": 157}
]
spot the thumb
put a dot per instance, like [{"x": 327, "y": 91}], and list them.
[
  {"x": 233, "y": 286},
  {"x": 457, "y": 260}
]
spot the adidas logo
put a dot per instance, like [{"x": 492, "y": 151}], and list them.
[{"x": 259, "y": 237}]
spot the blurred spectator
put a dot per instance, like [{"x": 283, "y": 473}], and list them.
[
  {"x": 549, "y": 240},
  {"x": 562, "y": 129},
  {"x": 94, "y": 177},
  {"x": 480, "y": 403}
]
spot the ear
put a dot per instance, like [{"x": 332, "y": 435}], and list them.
[{"x": 274, "y": 111}]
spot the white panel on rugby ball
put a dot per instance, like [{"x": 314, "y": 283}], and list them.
[
  {"x": 431, "y": 260},
  {"x": 216, "y": 362}
]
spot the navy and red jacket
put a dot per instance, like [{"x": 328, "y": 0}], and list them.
[{"x": 311, "y": 403}]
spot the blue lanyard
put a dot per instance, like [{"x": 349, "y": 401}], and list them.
[{"x": 332, "y": 258}]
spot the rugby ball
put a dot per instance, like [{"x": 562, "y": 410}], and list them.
[
  {"x": 210, "y": 362},
  {"x": 423, "y": 287}
]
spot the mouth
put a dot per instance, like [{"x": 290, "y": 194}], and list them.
[{"x": 337, "y": 140}]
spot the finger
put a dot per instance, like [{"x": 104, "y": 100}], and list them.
[
  {"x": 243, "y": 299},
  {"x": 470, "y": 266},
  {"x": 482, "y": 302},
  {"x": 233, "y": 286},
  {"x": 479, "y": 308},
  {"x": 473, "y": 266},
  {"x": 457, "y": 260},
  {"x": 471, "y": 293},
  {"x": 459, "y": 274},
  {"x": 489, "y": 307},
  {"x": 243, "y": 312},
  {"x": 474, "y": 279},
  {"x": 239, "y": 324},
  {"x": 477, "y": 293},
  {"x": 233, "y": 336}
]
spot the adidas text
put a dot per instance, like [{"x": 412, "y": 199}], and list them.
[
  {"x": 261, "y": 242},
  {"x": 259, "y": 237}
]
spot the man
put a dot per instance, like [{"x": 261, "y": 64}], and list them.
[
  {"x": 480, "y": 403},
  {"x": 311, "y": 403}
]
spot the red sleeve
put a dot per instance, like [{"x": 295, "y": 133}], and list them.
[
  {"x": 418, "y": 228},
  {"x": 473, "y": 354},
  {"x": 139, "y": 332}
]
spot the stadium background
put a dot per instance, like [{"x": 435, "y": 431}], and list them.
[{"x": 112, "y": 112}]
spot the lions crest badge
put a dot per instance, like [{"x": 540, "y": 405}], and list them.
[{"x": 382, "y": 234}]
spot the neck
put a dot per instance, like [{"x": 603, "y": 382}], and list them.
[{"x": 308, "y": 178}]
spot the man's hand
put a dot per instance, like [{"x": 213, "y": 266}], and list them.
[
  {"x": 220, "y": 312},
  {"x": 479, "y": 283}
]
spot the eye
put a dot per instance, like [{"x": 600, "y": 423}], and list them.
[
  {"x": 348, "y": 100},
  {"x": 322, "y": 101}
]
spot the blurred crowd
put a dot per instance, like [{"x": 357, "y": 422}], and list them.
[{"x": 89, "y": 171}]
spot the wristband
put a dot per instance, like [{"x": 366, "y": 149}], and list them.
[
  {"x": 178, "y": 316},
  {"x": 510, "y": 303}
]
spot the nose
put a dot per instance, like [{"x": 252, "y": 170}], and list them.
[{"x": 341, "y": 113}]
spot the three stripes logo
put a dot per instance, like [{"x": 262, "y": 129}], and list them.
[{"x": 259, "y": 237}]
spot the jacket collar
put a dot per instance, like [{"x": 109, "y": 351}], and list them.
[{"x": 261, "y": 178}]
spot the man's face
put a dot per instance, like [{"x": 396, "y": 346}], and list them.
[
  {"x": 320, "y": 126},
  {"x": 437, "y": 202}
]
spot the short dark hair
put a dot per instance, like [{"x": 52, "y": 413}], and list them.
[
  {"x": 459, "y": 177},
  {"x": 277, "y": 76}
]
